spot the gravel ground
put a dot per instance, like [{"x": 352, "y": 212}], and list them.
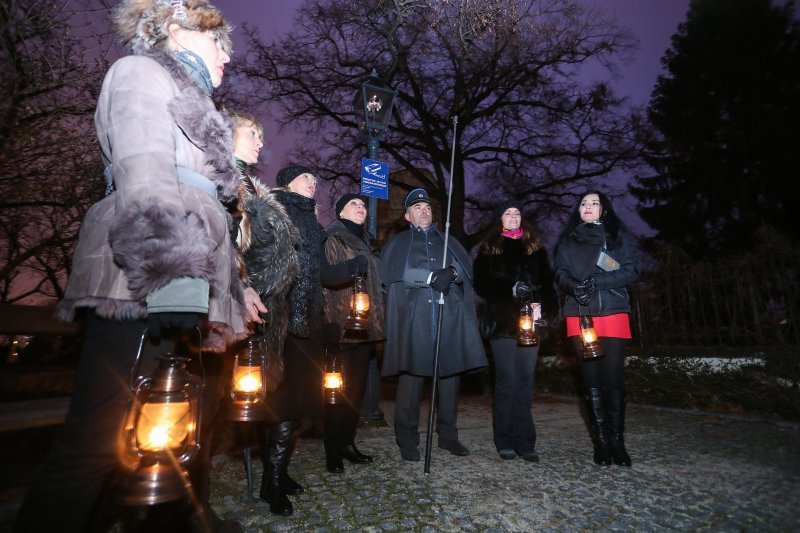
[{"x": 691, "y": 471}]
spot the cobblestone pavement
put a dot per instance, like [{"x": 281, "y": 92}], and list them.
[{"x": 691, "y": 471}]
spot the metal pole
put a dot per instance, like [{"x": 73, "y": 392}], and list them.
[
  {"x": 429, "y": 440},
  {"x": 371, "y": 404}
]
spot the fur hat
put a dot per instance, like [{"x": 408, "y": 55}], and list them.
[
  {"x": 142, "y": 24},
  {"x": 287, "y": 175},
  {"x": 416, "y": 196},
  {"x": 342, "y": 202}
]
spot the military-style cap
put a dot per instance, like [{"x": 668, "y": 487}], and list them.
[{"x": 416, "y": 196}]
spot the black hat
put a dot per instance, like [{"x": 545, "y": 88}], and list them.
[
  {"x": 416, "y": 196},
  {"x": 287, "y": 175},
  {"x": 342, "y": 201},
  {"x": 505, "y": 206}
]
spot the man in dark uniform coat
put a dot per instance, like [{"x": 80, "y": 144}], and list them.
[{"x": 413, "y": 277}]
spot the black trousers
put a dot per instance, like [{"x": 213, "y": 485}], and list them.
[
  {"x": 341, "y": 420},
  {"x": 74, "y": 490},
  {"x": 514, "y": 368},
  {"x": 406, "y": 411},
  {"x": 606, "y": 372}
]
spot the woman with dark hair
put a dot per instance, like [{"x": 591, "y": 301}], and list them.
[
  {"x": 596, "y": 261},
  {"x": 512, "y": 267}
]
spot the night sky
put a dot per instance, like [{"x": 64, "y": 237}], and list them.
[{"x": 652, "y": 22}]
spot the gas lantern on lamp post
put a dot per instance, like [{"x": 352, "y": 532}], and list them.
[{"x": 372, "y": 106}]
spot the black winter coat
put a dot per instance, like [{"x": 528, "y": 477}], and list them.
[
  {"x": 412, "y": 308},
  {"x": 495, "y": 276},
  {"x": 305, "y": 298},
  {"x": 576, "y": 259}
]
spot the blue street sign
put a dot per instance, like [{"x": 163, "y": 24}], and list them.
[{"x": 374, "y": 179}]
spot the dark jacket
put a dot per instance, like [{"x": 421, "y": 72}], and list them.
[
  {"x": 495, "y": 276},
  {"x": 305, "y": 298},
  {"x": 342, "y": 244},
  {"x": 411, "y": 307},
  {"x": 576, "y": 259}
]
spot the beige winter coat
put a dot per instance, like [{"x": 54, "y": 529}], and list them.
[{"x": 152, "y": 118}]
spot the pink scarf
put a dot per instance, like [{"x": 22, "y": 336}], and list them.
[{"x": 512, "y": 233}]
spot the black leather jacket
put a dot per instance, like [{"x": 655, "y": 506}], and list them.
[{"x": 575, "y": 260}]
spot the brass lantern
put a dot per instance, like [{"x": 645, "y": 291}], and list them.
[
  {"x": 333, "y": 379},
  {"x": 591, "y": 348},
  {"x": 526, "y": 332},
  {"x": 161, "y": 433},
  {"x": 358, "y": 319},
  {"x": 248, "y": 391}
]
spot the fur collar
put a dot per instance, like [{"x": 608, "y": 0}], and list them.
[{"x": 205, "y": 127}]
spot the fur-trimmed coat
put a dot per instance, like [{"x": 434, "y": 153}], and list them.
[
  {"x": 341, "y": 244},
  {"x": 152, "y": 117},
  {"x": 267, "y": 242}
]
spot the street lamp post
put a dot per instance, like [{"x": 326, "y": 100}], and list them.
[{"x": 372, "y": 106}]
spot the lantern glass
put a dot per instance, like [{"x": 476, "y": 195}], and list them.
[
  {"x": 358, "y": 319},
  {"x": 249, "y": 385},
  {"x": 526, "y": 332},
  {"x": 333, "y": 379},
  {"x": 373, "y": 104},
  {"x": 591, "y": 348},
  {"x": 164, "y": 423},
  {"x": 246, "y": 379}
]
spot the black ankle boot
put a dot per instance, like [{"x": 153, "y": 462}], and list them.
[
  {"x": 333, "y": 463},
  {"x": 351, "y": 453},
  {"x": 275, "y": 464},
  {"x": 597, "y": 416},
  {"x": 615, "y": 405},
  {"x": 290, "y": 486}
]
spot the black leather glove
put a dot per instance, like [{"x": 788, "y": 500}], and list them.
[
  {"x": 356, "y": 265},
  {"x": 171, "y": 323},
  {"x": 584, "y": 290},
  {"x": 521, "y": 291},
  {"x": 442, "y": 278}
]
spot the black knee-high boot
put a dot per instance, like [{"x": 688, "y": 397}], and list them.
[
  {"x": 615, "y": 405},
  {"x": 275, "y": 454},
  {"x": 597, "y": 416}
]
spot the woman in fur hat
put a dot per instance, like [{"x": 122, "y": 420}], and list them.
[
  {"x": 512, "y": 267},
  {"x": 155, "y": 255}
]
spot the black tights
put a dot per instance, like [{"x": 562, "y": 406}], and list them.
[{"x": 606, "y": 372}]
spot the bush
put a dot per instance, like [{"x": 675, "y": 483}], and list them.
[{"x": 770, "y": 390}]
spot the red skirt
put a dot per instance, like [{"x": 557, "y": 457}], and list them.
[{"x": 618, "y": 326}]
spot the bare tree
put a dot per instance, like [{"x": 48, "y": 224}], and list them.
[
  {"x": 52, "y": 60},
  {"x": 509, "y": 70}
]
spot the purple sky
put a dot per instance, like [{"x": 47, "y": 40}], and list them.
[{"x": 652, "y": 22}]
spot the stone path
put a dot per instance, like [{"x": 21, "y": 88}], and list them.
[{"x": 691, "y": 471}]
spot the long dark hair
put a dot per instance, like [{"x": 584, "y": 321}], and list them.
[
  {"x": 612, "y": 225},
  {"x": 493, "y": 243}
]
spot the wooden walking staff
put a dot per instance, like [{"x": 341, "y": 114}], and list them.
[{"x": 429, "y": 440}]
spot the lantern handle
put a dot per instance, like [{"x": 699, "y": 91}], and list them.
[{"x": 138, "y": 361}]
